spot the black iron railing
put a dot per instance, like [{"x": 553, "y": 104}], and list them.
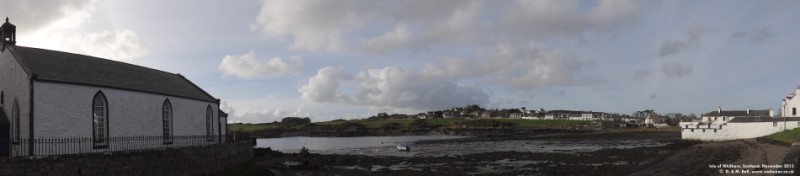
[{"x": 76, "y": 145}]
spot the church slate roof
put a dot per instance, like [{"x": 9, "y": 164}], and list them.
[{"x": 63, "y": 67}]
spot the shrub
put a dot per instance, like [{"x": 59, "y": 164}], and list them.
[{"x": 304, "y": 151}]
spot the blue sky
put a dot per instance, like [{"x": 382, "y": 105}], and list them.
[{"x": 352, "y": 58}]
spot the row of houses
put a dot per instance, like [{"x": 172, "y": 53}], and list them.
[{"x": 514, "y": 114}]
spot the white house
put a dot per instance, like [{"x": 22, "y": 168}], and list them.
[
  {"x": 790, "y": 104},
  {"x": 96, "y": 105},
  {"x": 742, "y": 124}
]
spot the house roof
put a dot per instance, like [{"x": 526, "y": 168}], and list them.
[
  {"x": 63, "y": 67},
  {"x": 738, "y": 113},
  {"x": 764, "y": 119}
]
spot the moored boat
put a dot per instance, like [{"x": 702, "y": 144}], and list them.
[{"x": 403, "y": 147}]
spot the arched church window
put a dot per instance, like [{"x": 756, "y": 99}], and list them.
[
  {"x": 100, "y": 120},
  {"x": 166, "y": 115}
]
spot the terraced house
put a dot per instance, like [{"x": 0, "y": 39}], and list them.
[{"x": 54, "y": 103}]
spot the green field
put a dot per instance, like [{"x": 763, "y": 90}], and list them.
[
  {"x": 518, "y": 123},
  {"x": 787, "y": 136},
  {"x": 250, "y": 127}
]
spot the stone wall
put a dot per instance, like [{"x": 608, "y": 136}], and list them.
[{"x": 201, "y": 160}]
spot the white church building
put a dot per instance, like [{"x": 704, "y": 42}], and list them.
[
  {"x": 54, "y": 103},
  {"x": 722, "y": 125}
]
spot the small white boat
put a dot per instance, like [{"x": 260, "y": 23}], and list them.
[{"x": 403, "y": 147}]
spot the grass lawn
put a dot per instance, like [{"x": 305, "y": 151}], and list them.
[{"x": 787, "y": 136}]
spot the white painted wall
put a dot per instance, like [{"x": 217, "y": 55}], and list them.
[
  {"x": 64, "y": 110},
  {"x": 15, "y": 85},
  {"x": 733, "y": 131},
  {"x": 789, "y": 103}
]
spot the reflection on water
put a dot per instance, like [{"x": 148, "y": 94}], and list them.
[{"x": 326, "y": 144}]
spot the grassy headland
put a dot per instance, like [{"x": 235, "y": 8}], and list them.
[{"x": 394, "y": 125}]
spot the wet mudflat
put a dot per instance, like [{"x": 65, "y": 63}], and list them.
[{"x": 594, "y": 153}]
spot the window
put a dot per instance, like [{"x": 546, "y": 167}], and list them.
[
  {"x": 15, "y": 121},
  {"x": 166, "y": 114},
  {"x": 100, "y": 120},
  {"x": 794, "y": 111},
  {"x": 774, "y": 124},
  {"x": 209, "y": 116}
]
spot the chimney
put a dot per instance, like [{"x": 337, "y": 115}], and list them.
[
  {"x": 797, "y": 90},
  {"x": 770, "y": 112},
  {"x": 8, "y": 33},
  {"x": 748, "y": 110},
  {"x": 719, "y": 109}
]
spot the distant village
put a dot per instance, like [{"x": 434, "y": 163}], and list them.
[{"x": 644, "y": 118}]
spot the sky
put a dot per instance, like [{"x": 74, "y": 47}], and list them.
[{"x": 349, "y": 59}]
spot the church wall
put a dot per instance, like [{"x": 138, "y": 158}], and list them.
[
  {"x": 15, "y": 85},
  {"x": 64, "y": 110}
]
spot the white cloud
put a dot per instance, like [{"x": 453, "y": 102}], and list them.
[
  {"x": 324, "y": 86},
  {"x": 676, "y": 70},
  {"x": 392, "y": 87},
  {"x": 542, "y": 18},
  {"x": 420, "y": 25},
  {"x": 641, "y": 73},
  {"x": 312, "y": 24},
  {"x": 59, "y": 25},
  {"x": 671, "y": 47},
  {"x": 694, "y": 32},
  {"x": 438, "y": 86},
  {"x": 117, "y": 45},
  {"x": 32, "y": 16},
  {"x": 246, "y": 66},
  {"x": 521, "y": 67},
  {"x": 263, "y": 116},
  {"x": 753, "y": 35},
  {"x": 400, "y": 37}
]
